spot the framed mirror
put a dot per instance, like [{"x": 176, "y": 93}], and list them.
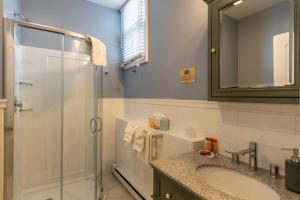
[{"x": 254, "y": 47}]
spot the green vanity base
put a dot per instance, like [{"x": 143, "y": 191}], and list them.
[{"x": 165, "y": 188}]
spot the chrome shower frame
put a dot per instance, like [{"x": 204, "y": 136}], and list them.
[{"x": 9, "y": 71}]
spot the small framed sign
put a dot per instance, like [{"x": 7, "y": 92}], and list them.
[{"x": 188, "y": 75}]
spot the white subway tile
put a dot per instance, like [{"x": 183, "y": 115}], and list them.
[
  {"x": 275, "y": 156},
  {"x": 252, "y": 107},
  {"x": 209, "y": 114},
  {"x": 298, "y": 125},
  {"x": 226, "y": 144},
  {"x": 228, "y": 117},
  {"x": 242, "y": 133},
  {"x": 288, "y": 108},
  {"x": 276, "y": 122},
  {"x": 229, "y": 131},
  {"x": 259, "y": 107},
  {"x": 249, "y": 119},
  {"x": 280, "y": 140},
  {"x": 250, "y": 134},
  {"x": 210, "y": 128}
]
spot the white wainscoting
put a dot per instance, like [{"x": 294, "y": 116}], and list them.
[
  {"x": 272, "y": 126},
  {"x": 113, "y": 108}
]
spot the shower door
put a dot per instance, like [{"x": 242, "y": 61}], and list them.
[
  {"x": 79, "y": 122},
  {"x": 55, "y": 121}
]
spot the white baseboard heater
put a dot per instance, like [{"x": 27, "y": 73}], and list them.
[{"x": 131, "y": 189}]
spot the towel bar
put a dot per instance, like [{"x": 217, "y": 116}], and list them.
[{"x": 154, "y": 155}]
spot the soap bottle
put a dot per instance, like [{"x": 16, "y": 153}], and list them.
[{"x": 292, "y": 171}]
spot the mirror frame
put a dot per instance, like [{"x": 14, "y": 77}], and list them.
[{"x": 284, "y": 94}]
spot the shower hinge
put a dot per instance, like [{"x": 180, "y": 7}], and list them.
[{"x": 19, "y": 104}]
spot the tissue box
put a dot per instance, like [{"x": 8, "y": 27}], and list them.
[
  {"x": 159, "y": 121},
  {"x": 164, "y": 124}
]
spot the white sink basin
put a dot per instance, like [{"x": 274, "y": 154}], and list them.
[{"x": 236, "y": 184}]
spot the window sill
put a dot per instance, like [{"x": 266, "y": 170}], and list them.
[{"x": 135, "y": 64}]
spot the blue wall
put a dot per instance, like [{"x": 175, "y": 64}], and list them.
[
  {"x": 87, "y": 18},
  {"x": 10, "y": 6},
  {"x": 178, "y": 38}
]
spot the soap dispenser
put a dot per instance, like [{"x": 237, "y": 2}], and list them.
[{"x": 292, "y": 171}]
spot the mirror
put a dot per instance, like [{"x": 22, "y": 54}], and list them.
[{"x": 257, "y": 44}]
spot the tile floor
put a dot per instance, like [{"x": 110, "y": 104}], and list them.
[
  {"x": 81, "y": 189},
  {"x": 114, "y": 189}
]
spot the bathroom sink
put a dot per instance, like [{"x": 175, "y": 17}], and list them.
[{"x": 236, "y": 184}]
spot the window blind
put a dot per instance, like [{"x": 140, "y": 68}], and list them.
[{"x": 133, "y": 33}]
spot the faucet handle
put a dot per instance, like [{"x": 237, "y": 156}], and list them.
[
  {"x": 274, "y": 171},
  {"x": 229, "y": 152},
  {"x": 235, "y": 157},
  {"x": 253, "y": 145}
]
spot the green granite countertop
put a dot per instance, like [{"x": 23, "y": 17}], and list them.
[{"x": 183, "y": 170}]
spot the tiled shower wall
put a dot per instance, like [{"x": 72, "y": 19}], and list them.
[{"x": 272, "y": 126}]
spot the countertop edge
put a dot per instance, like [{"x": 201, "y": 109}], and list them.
[{"x": 186, "y": 164}]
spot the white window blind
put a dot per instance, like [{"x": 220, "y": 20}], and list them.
[{"x": 133, "y": 30}]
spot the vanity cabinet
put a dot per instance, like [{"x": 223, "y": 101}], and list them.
[
  {"x": 254, "y": 50},
  {"x": 164, "y": 188}
]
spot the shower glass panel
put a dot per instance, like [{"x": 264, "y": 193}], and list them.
[
  {"x": 79, "y": 136},
  {"x": 56, "y": 130},
  {"x": 38, "y": 116}
]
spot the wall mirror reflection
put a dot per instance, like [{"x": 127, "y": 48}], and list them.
[{"x": 257, "y": 44}]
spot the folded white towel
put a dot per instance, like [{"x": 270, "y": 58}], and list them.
[
  {"x": 98, "y": 52},
  {"x": 139, "y": 139},
  {"x": 129, "y": 132}
]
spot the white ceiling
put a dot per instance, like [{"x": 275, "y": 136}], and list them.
[
  {"x": 249, "y": 7},
  {"x": 114, "y": 4}
]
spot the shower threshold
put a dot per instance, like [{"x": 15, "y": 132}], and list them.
[{"x": 78, "y": 188}]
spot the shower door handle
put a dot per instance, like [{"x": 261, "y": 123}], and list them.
[
  {"x": 101, "y": 124},
  {"x": 93, "y": 126}
]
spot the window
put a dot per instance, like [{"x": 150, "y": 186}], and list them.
[{"x": 134, "y": 33}]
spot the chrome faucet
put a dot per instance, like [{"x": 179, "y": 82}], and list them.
[{"x": 252, "y": 151}]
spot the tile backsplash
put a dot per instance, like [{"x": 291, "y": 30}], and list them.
[{"x": 272, "y": 126}]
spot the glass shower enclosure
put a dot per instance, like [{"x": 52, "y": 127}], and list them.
[{"x": 52, "y": 123}]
